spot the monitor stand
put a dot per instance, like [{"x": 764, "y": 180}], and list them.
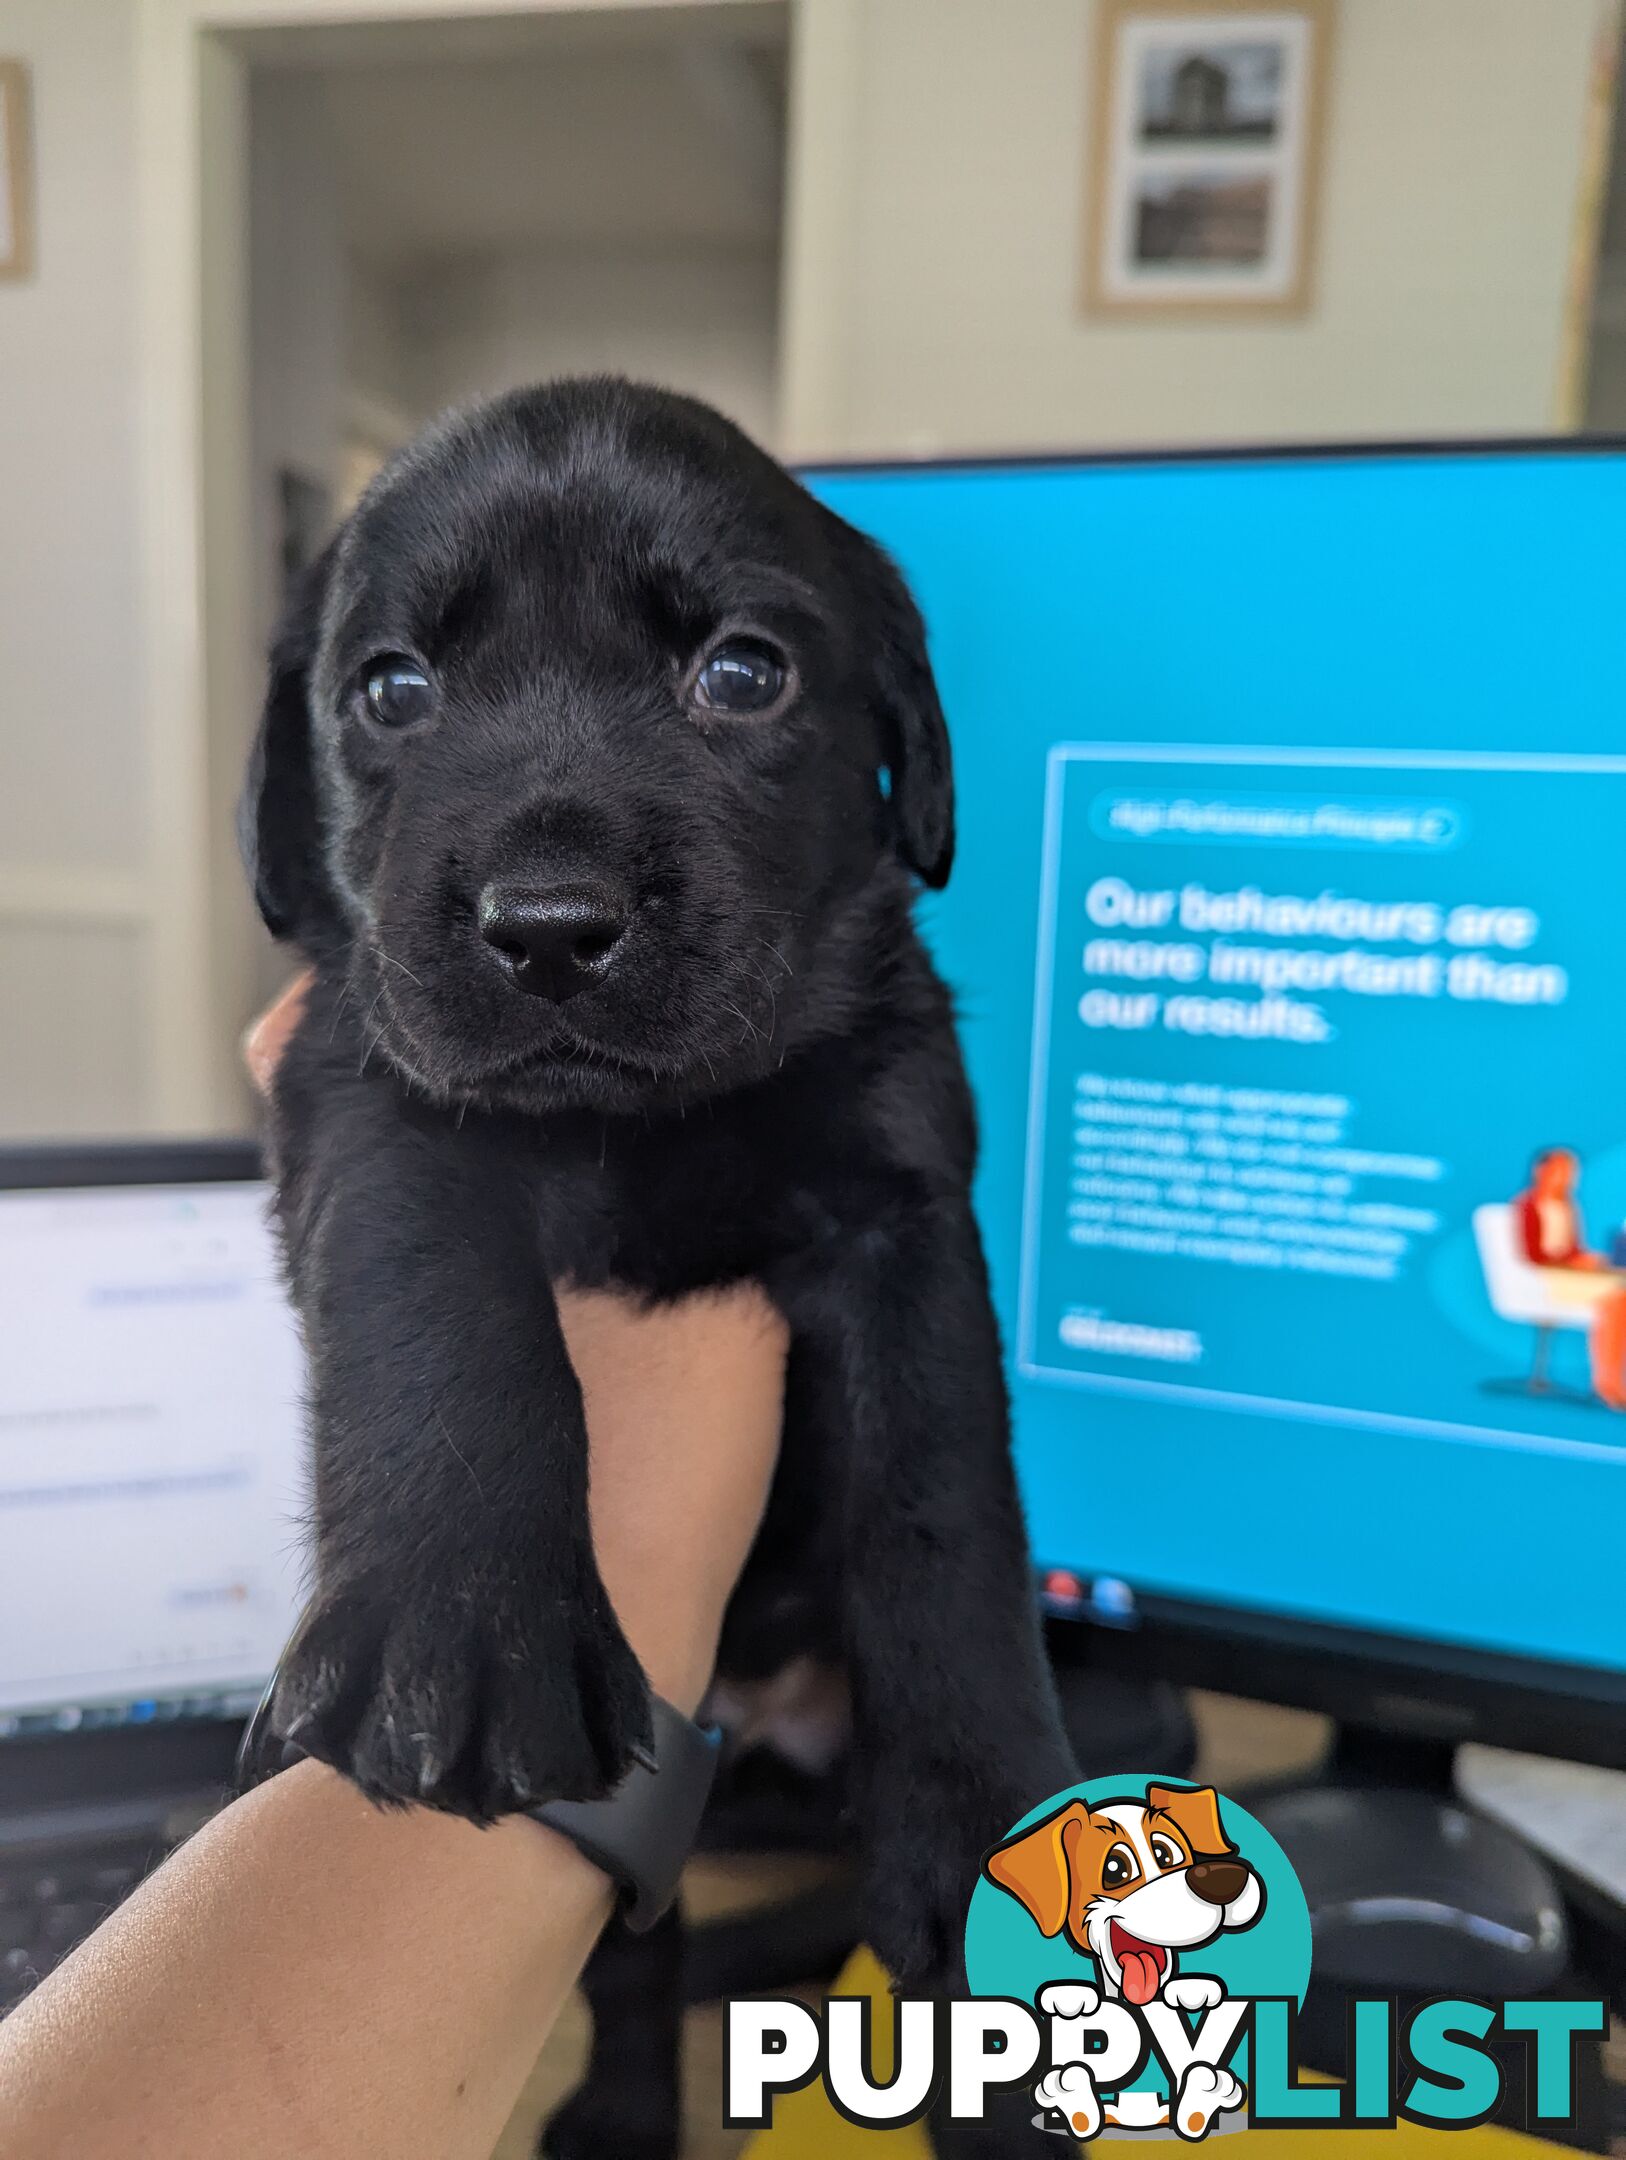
[{"x": 1414, "y": 1893}]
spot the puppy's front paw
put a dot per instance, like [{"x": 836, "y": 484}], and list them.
[
  {"x": 468, "y": 1696},
  {"x": 1069, "y": 1999},
  {"x": 1193, "y": 1991}
]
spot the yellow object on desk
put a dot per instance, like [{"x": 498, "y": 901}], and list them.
[{"x": 807, "y": 2127}]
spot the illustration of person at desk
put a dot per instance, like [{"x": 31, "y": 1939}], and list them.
[{"x": 1553, "y": 1236}]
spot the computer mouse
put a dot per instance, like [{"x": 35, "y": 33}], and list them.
[{"x": 1411, "y": 1893}]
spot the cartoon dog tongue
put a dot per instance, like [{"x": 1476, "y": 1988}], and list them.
[{"x": 1140, "y": 1966}]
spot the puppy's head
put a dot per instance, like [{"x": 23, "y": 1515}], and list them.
[
  {"x": 1130, "y": 1882},
  {"x": 595, "y": 749}
]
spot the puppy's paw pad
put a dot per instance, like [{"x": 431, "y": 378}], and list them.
[
  {"x": 1193, "y": 1991},
  {"x": 1068, "y": 1999}
]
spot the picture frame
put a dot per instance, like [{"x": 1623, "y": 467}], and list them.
[
  {"x": 16, "y": 173},
  {"x": 1205, "y": 156}
]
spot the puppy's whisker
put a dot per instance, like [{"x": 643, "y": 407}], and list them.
[
  {"x": 446, "y": 1435},
  {"x": 786, "y": 971},
  {"x": 339, "y": 1005},
  {"x": 372, "y": 1038},
  {"x": 401, "y": 964},
  {"x": 749, "y": 1031}
]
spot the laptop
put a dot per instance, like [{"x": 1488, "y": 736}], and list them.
[{"x": 151, "y": 1480}]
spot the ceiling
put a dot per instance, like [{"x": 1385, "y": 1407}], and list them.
[{"x": 636, "y": 126}]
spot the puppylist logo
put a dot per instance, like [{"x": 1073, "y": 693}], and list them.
[
  {"x": 1141, "y": 1885},
  {"x": 1138, "y": 1949},
  {"x": 1145, "y": 1921}
]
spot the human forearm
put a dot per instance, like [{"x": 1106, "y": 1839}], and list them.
[
  {"x": 314, "y": 1975},
  {"x": 308, "y": 1975}
]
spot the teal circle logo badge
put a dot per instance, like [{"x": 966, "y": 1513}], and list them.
[{"x": 1144, "y": 1918}]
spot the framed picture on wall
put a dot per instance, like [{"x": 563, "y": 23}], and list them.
[
  {"x": 16, "y": 173},
  {"x": 1205, "y": 153}
]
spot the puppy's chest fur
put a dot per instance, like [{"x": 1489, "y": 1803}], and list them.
[
  {"x": 777, "y": 1181},
  {"x": 727, "y": 1192}
]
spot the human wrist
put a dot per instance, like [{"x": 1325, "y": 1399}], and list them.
[
  {"x": 677, "y": 1648},
  {"x": 683, "y": 1405}
]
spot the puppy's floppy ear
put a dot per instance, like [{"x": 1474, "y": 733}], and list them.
[
  {"x": 1195, "y": 1814},
  {"x": 278, "y": 826},
  {"x": 914, "y": 733},
  {"x": 1036, "y": 1866}
]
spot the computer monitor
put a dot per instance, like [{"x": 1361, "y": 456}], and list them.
[
  {"x": 151, "y": 1456},
  {"x": 1287, "y": 931}
]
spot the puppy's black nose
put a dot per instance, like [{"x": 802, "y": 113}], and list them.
[
  {"x": 1218, "y": 1882},
  {"x": 554, "y": 940}
]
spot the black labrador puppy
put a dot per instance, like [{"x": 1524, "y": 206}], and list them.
[{"x": 598, "y": 764}]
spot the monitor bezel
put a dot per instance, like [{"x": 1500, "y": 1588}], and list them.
[
  {"x": 86, "y": 1165},
  {"x": 1588, "y": 444},
  {"x": 1420, "y": 1690},
  {"x": 1417, "y": 1688}
]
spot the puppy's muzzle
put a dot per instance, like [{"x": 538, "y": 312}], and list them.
[
  {"x": 554, "y": 941},
  {"x": 1218, "y": 1882}
]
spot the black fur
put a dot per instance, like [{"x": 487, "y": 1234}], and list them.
[{"x": 765, "y": 1085}]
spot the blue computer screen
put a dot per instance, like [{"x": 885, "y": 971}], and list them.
[{"x": 1289, "y": 932}]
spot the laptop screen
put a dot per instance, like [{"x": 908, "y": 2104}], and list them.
[{"x": 151, "y": 1462}]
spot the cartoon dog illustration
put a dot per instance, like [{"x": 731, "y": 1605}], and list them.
[{"x": 1132, "y": 1883}]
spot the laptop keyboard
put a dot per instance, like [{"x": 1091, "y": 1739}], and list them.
[{"x": 50, "y": 1904}]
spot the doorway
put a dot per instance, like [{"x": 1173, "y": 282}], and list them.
[{"x": 383, "y": 217}]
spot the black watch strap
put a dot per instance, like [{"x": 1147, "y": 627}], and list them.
[{"x": 642, "y": 1834}]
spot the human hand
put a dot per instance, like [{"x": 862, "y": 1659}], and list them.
[
  {"x": 266, "y": 1038},
  {"x": 683, "y": 1409}
]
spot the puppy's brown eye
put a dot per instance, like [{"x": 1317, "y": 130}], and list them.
[
  {"x": 1118, "y": 1868},
  {"x": 743, "y": 676},
  {"x": 398, "y": 691},
  {"x": 1167, "y": 1855}
]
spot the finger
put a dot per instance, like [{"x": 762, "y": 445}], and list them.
[{"x": 267, "y": 1039}]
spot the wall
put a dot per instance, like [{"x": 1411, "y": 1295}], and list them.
[
  {"x": 938, "y": 155},
  {"x": 1605, "y": 387},
  {"x": 74, "y": 957},
  {"x": 698, "y": 319},
  {"x": 377, "y": 395},
  {"x": 298, "y": 306}
]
